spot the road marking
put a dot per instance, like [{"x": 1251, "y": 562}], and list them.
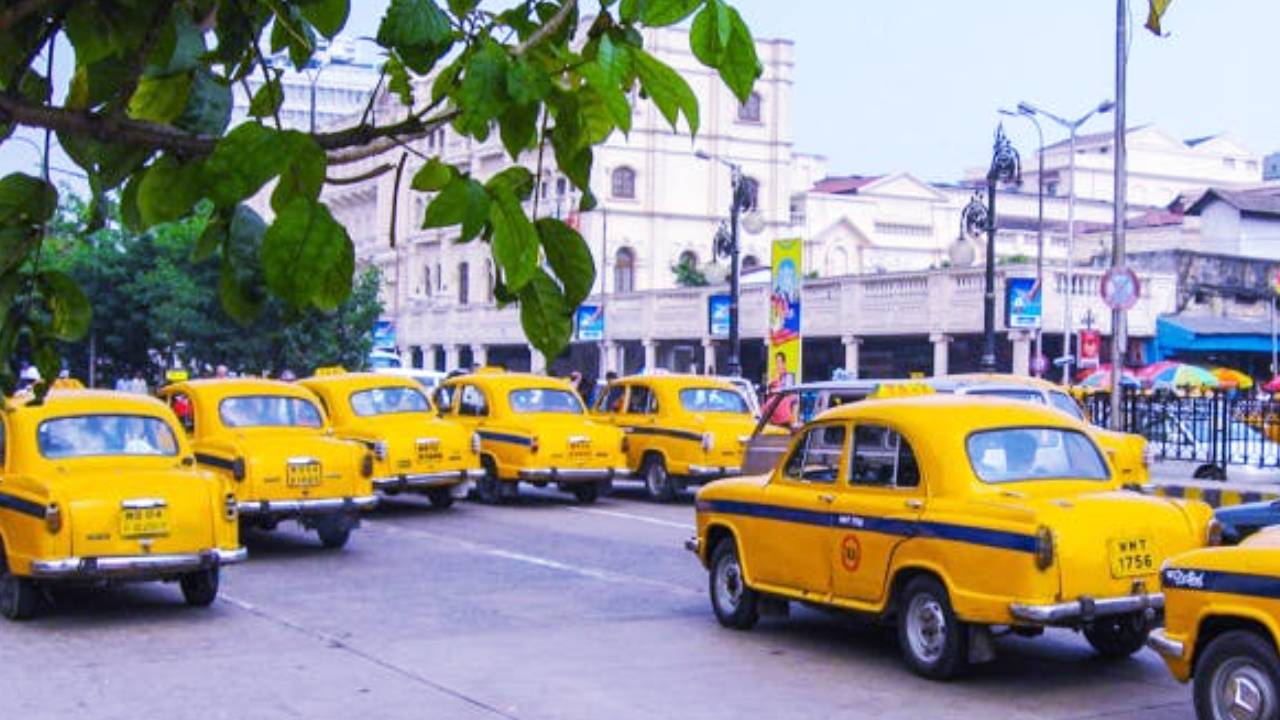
[
  {"x": 634, "y": 516},
  {"x": 600, "y": 574}
]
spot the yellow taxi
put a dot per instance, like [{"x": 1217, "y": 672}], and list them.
[
  {"x": 533, "y": 429},
  {"x": 101, "y": 487},
  {"x": 1222, "y": 627},
  {"x": 681, "y": 429},
  {"x": 413, "y": 450},
  {"x": 949, "y": 516},
  {"x": 271, "y": 439}
]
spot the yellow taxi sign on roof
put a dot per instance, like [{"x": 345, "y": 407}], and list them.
[
  {"x": 489, "y": 370},
  {"x": 330, "y": 370},
  {"x": 67, "y": 383},
  {"x": 177, "y": 375},
  {"x": 900, "y": 389}
]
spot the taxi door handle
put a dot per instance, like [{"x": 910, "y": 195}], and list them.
[
  {"x": 915, "y": 504},
  {"x": 827, "y": 497}
]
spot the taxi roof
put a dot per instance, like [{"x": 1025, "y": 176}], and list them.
[
  {"x": 79, "y": 402},
  {"x": 360, "y": 381},
  {"x": 996, "y": 379},
  {"x": 954, "y": 412},
  {"x": 499, "y": 380},
  {"x": 678, "y": 380},
  {"x": 226, "y": 387}
]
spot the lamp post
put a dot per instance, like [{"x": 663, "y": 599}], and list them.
[
  {"x": 740, "y": 199},
  {"x": 1072, "y": 127},
  {"x": 1039, "y": 288},
  {"x": 976, "y": 218}
]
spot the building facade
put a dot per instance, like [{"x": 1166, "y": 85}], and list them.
[{"x": 334, "y": 87}]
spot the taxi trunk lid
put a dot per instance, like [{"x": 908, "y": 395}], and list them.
[
  {"x": 296, "y": 466},
  {"x": 423, "y": 446},
  {"x": 139, "y": 511},
  {"x": 578, "y": 444},
  {"x": 730, "y": 433}
]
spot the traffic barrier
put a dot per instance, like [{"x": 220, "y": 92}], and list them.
[{"x": 1215, "y": 494}]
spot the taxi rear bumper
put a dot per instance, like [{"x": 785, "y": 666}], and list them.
[
  {"x": 709, "y": 472},
  {"x": 1160, "y": 641},
  {"x": 1086, "y": 608},
  {"x": 295, "y": 508},
  {"x": 133, "y": 566},
  {"x": 410, "y": 481},
  {"x": 571, "y": 474}
]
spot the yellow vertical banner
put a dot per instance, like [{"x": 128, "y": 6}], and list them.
[{"x": 784, "y": 314}]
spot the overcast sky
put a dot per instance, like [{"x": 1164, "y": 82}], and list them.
[{"x": 914, "y": 85}]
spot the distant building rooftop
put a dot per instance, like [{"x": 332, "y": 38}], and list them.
[
  {"x": 847, "y": 185},
  {"x": 1258, "y": 201}
]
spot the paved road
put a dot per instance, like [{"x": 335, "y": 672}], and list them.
[{"x": 544, "y": 609}]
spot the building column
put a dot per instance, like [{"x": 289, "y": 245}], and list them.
[
  {"x": 451, "y": 357},
  {"x": 650, "y": 354},
  {"x": 709, "y": 356},
  {"x": 1021, "y": 340},
  {"x": 608, "y": 357},
  {"x": 852, "y": 345},
  {"x": 537, "y": 362},
  {"x": 429, "y": 357},
  {"x": 479, "y": 355},
  {"x": 941, "y": 345}
]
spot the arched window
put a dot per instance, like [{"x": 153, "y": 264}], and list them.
[
  {"x": 749, "y": 262},
  {"x": 561, "y": 186},
  {"x": 624, "y": 182},
  {"x": 426, "y": 280},
  {"x": 751, "y": 190},
  {"x": 749, "y": 111},
  {"x": 624, "y": 271},
  {"x": 463, "y": 272}
]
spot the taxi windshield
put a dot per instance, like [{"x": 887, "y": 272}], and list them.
[
  {"x": 249, "y": 411},
  {"x": 719, "y": 400},
  {"x": 1030, "y": 453},
  {"x": 545, "y": 400},
  {"x": 388, "y": 401},
  {"x": 97, "y": 435}
]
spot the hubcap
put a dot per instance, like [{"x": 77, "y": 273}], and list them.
[
  {"x": 655, "y": 478},
  {"x": 926, "y": 628},
  {"x": 1242, "y": 691},
  {"x": 728, "y": 585}
]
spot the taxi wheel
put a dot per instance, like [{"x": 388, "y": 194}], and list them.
[
  {"x": 19, "y": 598},
  {"x": 736, "y": 605},
  {"x": 934, "y": 642},
  {"x": 334, "y": 531},
  {"x": 441, "y": 497},
  {"x": 586, "y": 493},
  {"x": 658, "y": 481},
  {"x": 1237, "y": 676},
  {"x": 200, "y": 588},
  {"x": 1119, "y": 636}
]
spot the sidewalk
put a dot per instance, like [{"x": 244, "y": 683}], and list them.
[{"x": 1243, "y": 484}]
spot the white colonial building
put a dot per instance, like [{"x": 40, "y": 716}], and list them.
[{"x": 333, "y": 87}]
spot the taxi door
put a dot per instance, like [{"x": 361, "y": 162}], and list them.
[
  {"x": 789, "y": 545},
  {"x": 877, "y": 508}
]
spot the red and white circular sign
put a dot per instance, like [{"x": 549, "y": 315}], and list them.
[{"x": 1120, "y": 288}]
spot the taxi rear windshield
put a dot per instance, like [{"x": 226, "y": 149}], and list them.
[
  {"x": 545, "y": 400},
  {"x": 388, "y": 401},
  {"x": 1020, "y": 454},
  {"x": 96, "y": 435},
  {"x": 249, "y": 411},
  {"x": 713, "y": 400}
]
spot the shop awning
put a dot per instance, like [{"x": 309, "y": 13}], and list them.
[{"x": 1212, "y": 334}]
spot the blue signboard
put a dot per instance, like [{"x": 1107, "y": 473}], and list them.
[
  {"x": 384, "y": 335},
  {"x": 589, "y": 323},
  {"x": 1022, "y": 309},
  {"x": 718, "y": 316}
]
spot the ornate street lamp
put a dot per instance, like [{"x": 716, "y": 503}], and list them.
[
  {"x": 1006, "y": 166},
  {"x": 726, "y": 245}
]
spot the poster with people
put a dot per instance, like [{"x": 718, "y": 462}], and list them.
[{"x": 784, "y": 323}]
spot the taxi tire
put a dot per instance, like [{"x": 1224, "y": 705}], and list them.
[
  {"x": 1119, "y": 636},
  {"x": 440, "y": 497},
  {"x": 19, "y": 598},
  {"x": 746, "y": 613},
  {"x": 954, "y": 655},
  {"x": 200, "y": 588},
  {"x": 489, "y": 486},
  {"x": 334, "y": 531},
  {"x": 586, "y": 493},
  {"x": 657, "y": 481},
  {"x": 1246, "y": 645}
]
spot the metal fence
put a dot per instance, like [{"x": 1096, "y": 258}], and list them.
[{"x": 1213, "y": 430}]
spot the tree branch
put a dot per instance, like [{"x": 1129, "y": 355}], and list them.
[
  {"x": 551, "y": 26},
  {"x": 355, "y": 179},
  {"x": 125, "y": 94},
  {"x": 18, "y": 12}
]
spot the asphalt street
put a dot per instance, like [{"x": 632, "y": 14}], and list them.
[{"x": 540, "y": 609}]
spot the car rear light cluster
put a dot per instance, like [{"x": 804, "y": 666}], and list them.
[
  {"x": 625, "y": 444},
  {"x": 1213, "y": 533},
  {"x": 708, "y": 442},
  {"x": 229, "y": 507},
  {"x": 1044, "y": 548},
  {"x": 237, "y": 469},
  {"x": 366, "y": 465},
  {"x": 533, "y": 446},
  {"x": 380, "y": 450},
  {"x": 475, "y": 443},
  {"x": 53, "y": 518}
]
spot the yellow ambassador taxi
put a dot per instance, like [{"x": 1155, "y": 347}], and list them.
[
  {"x": 1222, "y": 627},
  {"x": 681, "y": 429},
  {"x": 100, "y": 487},
  {"x": 271, "y": 440},
  {"x": 413, "y": 449},
  {"x": 534, "y": 429},
  {"x": 950, "y": 516}
]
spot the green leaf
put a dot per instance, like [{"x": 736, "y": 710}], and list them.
[
  {"x": 433, "y": 176},
  {"x": 545, "y": 316},
  {"x": 16, "y": 244},
  {"x": 658, "y": 13},
  {"x": 130, "y": 216},
  {"x": 214, "y": 235},
  {"x": 709, "y": 35},
  {"x": 740, "y": 67},
  {"x": 667, "y": 89},
  {"x": 463, "y": 201},
  {"x": 515, "y": 241},
  {"x": 569, "y": 257},
  {"x": 266, "y": 101},
  {"x": 69, "y": 309},
  {"x": 398, "y": 80},
  {"x": 608, "y": 96},
  {"x": 208, "y": 110},
  {"x": 307, "y": 257},
  {"x": 237, "y": 298},
  {"x": 26, "y": 200},
  {"x": 518, "y": 126},
  {"x": 483, "y": 95},
  {"x": 630, "y": 11},
  {"x": 160, "y": 99},
  {"x": 517, "y": 180},
  {"x": 526, "y": 83},
  {"x": 303, "y": 171},
  {"x": 327, "y": 16},
  {"x": 180, "y": 47},
  {"x": 242, "y": 162},
  {"x": 168, "y": 191},
  {"x": 459, "y": 8},
  {"x": 413, "y": 23}
]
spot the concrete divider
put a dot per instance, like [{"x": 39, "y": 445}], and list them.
[{"x": 1216, "y": 494}]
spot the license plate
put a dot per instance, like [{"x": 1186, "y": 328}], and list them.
[
  {"x": 429, "y": 451},
  {"x": 142, "y": 522},
  {"x": 1131, "y": 556},
  {"x": 303, "y": 474}
]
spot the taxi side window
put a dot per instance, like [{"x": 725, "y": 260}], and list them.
[
  {"x": 611, "y": 400},
  {"x": 445, "y": 395},
  {"x": 816, "y": 458},
  {"x": 881, "y": 457},
  {"x": 471, "y": 402},
  {"x": 641, "y": 401},
  {"x": 180, "y": 403}
]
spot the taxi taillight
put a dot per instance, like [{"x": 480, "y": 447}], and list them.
[
  {"x": 53, "y": 518},
  {"x": 1044, "y": 548},
  {"x": 380, "y": 450},
  {"x": 366, "y": 465},
  {"x": 237, "y": 469},
  {"x": 533, "y": 446},
  {"x": 475, "y": 443},
  {"x": 229, "y": 507},
  {"x": 1213, "y": 533},
  {"x": 625, "y": 444},
  {"x": 708, "y": 442}
]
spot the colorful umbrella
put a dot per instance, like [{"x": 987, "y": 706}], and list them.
[
  {"x": 1181, "y": 375},
  {"x": 1144, "y": 374},
  {"x": 1099, "y": 378},
  {"x": 1272, "y": 385},
  {"x": 1229, "y": 377}
]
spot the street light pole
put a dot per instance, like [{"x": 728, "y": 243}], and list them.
[
  {"x": 1005, "y": 166},
  {"x": 1118, "y": 316},
  {"x": 1039, "y": 289},
  {"x": 1072, "y": 127},
  {"x": 739, "y": 200}
]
